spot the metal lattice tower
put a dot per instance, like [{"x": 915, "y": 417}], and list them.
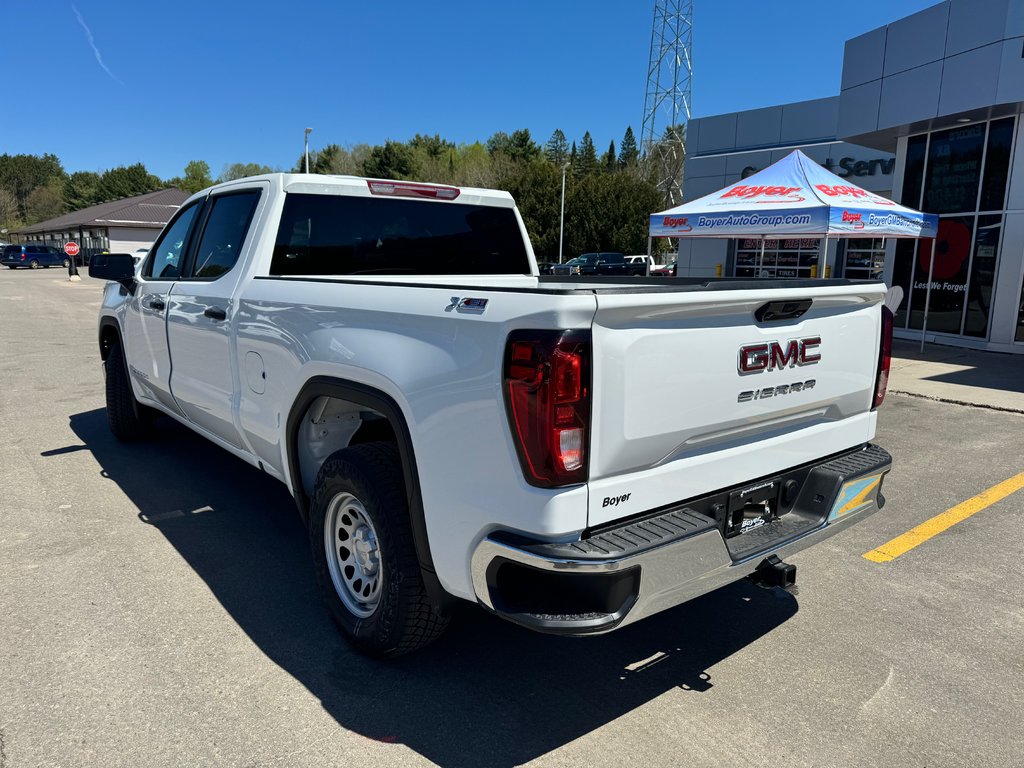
[{"x": 667, "y": 102}]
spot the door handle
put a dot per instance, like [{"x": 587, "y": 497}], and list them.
[
  {"x": 156, "y": 304},
  {"x": 215, "y": 313}
]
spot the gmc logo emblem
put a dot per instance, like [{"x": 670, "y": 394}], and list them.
[{"x": 774, "y": 355}]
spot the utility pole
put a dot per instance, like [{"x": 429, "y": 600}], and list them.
[
  {"x": 561, "y": 225},
  {"x": 308, "y": 131}
]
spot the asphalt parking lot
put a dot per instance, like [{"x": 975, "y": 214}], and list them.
[{"x": 158, "y": 608}]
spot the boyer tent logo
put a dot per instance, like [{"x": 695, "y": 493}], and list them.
[
  {"x": 677, "y": 223},
  {"x": 855, "y": 219},
  {"x": 776, "y": 194}
]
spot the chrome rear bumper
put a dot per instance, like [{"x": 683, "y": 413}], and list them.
[{"x": 685, "y": 556}]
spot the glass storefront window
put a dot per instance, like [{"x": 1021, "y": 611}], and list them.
[
  {"x": 983, "y": 270},
  {"x": 997, "y": 165},
  {"x": 1020, "y": 318},
  {"x": 949, "y": 279},
  {"x": 902, "y": 272},
  {"x": 967, "y": 247},
  {"x": 864, "y": 259},
  {"x": 954, "y": 169},
  {"x": 782, "y": 258},
  {"x": 913, "y": 171}
]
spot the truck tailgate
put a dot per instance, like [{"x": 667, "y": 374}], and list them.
[{"x": 675, "y": 417}]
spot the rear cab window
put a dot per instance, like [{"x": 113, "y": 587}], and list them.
[{"x": 354, "y": 235}]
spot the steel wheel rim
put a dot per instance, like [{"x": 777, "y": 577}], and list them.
[
  {"x": 34, "y": 264},
  {"x": 353, "y": 555}
]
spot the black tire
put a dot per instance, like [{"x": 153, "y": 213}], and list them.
[
  {"x": 33, "y": 264},
  {"x": 127, "y": 418},
  {"x": 67, "y": 263},
  {"x": 405, "y": 618}
]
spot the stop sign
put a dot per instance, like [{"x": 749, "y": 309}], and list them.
[{"x": 71, "y": 249}]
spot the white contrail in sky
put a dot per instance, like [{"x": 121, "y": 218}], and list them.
[{"x": 95, "y": 50}]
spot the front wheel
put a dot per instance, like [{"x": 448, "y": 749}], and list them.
[
  {"x": 128, "y": 419},
  {"x": 33, "y": 264},
  {"x": 67, "y": 263},
  {"x": 364, "y": 555}
]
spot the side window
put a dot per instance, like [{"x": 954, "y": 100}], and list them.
[
  {"x": 224, "y": 233},
  {"x": 165, "y": 257}
]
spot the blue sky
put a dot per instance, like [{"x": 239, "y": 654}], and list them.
[{"x": 106, "y": 83}]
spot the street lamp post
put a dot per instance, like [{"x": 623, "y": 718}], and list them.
[
  {"x": 308, "y": 131},
  {"x": 561, "y": 225}
]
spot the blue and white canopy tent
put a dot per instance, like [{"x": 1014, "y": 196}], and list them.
[{"x": 795, "y": 197}]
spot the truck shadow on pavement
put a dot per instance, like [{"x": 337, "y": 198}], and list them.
[{"x": 486, "y": 694}]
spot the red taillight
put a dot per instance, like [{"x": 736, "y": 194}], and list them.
[
  {"x": 23, "y": 257},
  {"x": 884, "y": 357},
  {"x": 406, "y": 189},
  {"x": 547, "y": 393}
]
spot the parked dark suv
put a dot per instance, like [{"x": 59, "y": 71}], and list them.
[{"x": 32, "y": 256}]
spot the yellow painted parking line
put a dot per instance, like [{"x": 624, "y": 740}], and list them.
[{"x": 919, "y": 535}]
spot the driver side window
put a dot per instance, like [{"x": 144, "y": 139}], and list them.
[{"x": 166, "y": 256}]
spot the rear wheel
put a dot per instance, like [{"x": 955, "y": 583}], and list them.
[
  {"x": 33, "y": 264},
  {"x": 364, "y": 555},
  {"x": 67, "y": 263},
  {"x": 128, "y": 419}
]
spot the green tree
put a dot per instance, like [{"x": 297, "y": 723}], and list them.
[
  {"x": 45, "y": 202},
  {"x": 21, "y": 174},
  {"x": 499, "y": 143},
  {"x": 557, "y": 148},
  {"x": 82, "y": 190},
  {"x": 522, "y": 148},
  {"x": 432, "y": 146},
  {"x": 586, "y": 162},
  {"x": 608, "y": 161},
  {"x": 629, "y": 155},
  {"x": 127, "y": 181},
  {"x": 9, "y": 215},
  {"x": 242, "y": 170},
  {"x": 393, "y": 160},
  {"x": 197, "y": 177},
  {"x": 537, "y": 189}
]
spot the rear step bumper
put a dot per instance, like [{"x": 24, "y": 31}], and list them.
[{"x": 616, "y": 576}]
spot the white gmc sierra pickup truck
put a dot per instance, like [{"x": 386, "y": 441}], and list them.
[{"x": 454, "y": 426}]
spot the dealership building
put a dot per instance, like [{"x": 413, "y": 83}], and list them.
[
  {"x": 119, "y": 226},
  {"x": 929, "y": 114}
]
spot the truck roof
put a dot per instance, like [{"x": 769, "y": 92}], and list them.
[{"x": 317, "y": 183}]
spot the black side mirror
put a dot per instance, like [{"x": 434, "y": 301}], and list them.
[{"x": 113, "y": 266}]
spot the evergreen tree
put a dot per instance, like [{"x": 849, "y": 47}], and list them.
[
  {"x": 432, "y": 146},
  {"x": 82, "y": 190},
  {"x": 608, "y": 161},
  {"x": 629, "y": 155},
  {"x": 586, "y": 163},
  {"x": 557, "y": 148},
  {"x": 394, "y": 160},
  {"x": 522, "y": 148},
  {"x": 127, "y": 181},
  {"x": 499, "y": 143}
]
